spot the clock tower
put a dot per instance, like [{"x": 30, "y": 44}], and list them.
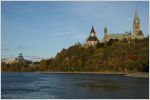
[{"x": 136, "y": 24}]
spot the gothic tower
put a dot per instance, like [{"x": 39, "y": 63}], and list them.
[
  {"x": 106, "y": 38},
  {"x": 136, "y": 24},
  {"x": 92, "y": 40},
  {"x": 105, "y": 31}
]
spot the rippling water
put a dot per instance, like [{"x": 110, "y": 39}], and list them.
[{"x": 67, "y": 86}]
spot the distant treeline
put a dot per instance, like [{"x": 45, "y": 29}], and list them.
[{"x": 112, "y": 56}]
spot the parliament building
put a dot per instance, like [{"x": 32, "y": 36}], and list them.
[{"x": 92, "y": 40}]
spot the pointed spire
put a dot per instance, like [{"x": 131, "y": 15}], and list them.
[
  {"x": 136, "y": 13},
  {"x": 92, "y": 30},
  {"x": 136, "y": 18}
]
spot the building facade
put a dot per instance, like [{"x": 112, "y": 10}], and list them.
[
  {"x": 137, "y": 33},
  {"x": 92, "y": 40}
]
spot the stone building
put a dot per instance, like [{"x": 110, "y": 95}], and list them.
[
  {"x": 137, "y": 33},
  {"x": 92, "y": 40}
]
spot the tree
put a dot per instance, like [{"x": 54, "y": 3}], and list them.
[{"x": 110, "y": 42}]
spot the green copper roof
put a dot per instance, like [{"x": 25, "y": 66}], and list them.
[{"x": 116, "y": 35}]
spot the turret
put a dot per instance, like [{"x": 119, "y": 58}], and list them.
[
  {"x": 92, "y": 40},
  {"x": 105, "y": 34},
  {"x": 92, "y": 33}
]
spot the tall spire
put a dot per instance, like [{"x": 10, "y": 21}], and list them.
[
  {"x": 136, "y": 23},
  {"x": 92, "y": 30},
  {"x": 136, "y": 18},
  {"x": 136, "y": 13}
]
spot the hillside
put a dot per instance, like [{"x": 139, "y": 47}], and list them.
[{"x": 113, "y": 56}]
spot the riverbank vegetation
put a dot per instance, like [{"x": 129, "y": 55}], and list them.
[{"x": 113, "y": 56}]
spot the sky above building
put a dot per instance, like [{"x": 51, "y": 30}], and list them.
[{"x": 42, "y": 29}]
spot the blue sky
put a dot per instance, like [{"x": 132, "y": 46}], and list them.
[{"x": 41, "y": 29}]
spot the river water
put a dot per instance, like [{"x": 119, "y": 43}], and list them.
[{"x": 67, "y": 86}]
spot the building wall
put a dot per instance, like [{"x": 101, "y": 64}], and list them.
[
  {"x": 91, "y": 43},
  {"x": 136, "y": 28}
]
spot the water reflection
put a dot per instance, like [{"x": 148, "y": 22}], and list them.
[
  {"x": 105, "y": 85},
  {"x": 94, "y": 83},
  {"x": 72, "y": 86}
]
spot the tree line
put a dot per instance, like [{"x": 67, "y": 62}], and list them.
[{"x": 112, "y": 56}]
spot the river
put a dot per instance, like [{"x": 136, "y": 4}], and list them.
[{"x": 26, "y": 85}]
